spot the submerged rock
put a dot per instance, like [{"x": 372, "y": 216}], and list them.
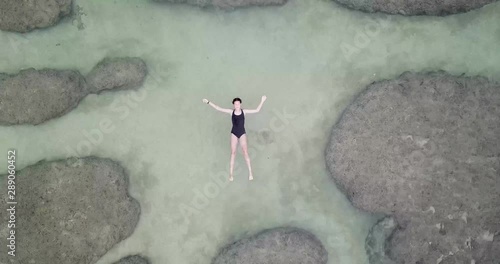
[
  {"x": 376, "y": 240},
  {"x": 135, "y": 259},
  {"x": 425, "y": 148},
  {"x": 26, "y": 15},
  {"x": 284, "y": 245},
  {"x": 228, "y": 4},
  {"x": 70, "y": 212},
  {"x": 35, "y": 96},
  {"x": 417, "y": 7},
  {"x": 117, "y": 74}
]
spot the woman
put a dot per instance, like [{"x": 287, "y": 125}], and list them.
[{"x": 238, "y": 130}]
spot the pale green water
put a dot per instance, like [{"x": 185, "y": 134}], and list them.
[{"x": 172, "y": 143}]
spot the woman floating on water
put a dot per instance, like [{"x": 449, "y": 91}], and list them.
[{"x": 238, "y": 130}]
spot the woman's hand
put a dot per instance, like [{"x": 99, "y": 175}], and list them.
[
  {"x": 205, "y": 101},
  {"x": 264, "y": 98}
]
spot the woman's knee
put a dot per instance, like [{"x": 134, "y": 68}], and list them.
[{"x": 245, "y": 151}]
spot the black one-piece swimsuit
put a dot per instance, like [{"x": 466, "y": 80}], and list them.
[{"x": 238, "y": 124}]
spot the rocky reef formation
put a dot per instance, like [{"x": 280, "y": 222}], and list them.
[
  {"x": 135, "y": 259},
  {"x": 418, "y": 7},
  {"x": 26, "y": 15},
  {"x": 117, "y": 74},
  {"x": 35, "y": 96},
  {"x": 283, "y": 245},
  {"x": 425, "y": 148},
  {"x": 70, "y": 211},
  {"x": 228, "y": 4}
]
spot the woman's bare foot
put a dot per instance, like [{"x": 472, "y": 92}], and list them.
[
  {"x": 250, "y": 177},
  {"x": 230, "y": 177}
]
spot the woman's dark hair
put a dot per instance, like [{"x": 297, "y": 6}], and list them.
[{"x": 236, "y": 99}]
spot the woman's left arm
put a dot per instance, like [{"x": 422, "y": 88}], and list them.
[{"x": 253, "y": 111}]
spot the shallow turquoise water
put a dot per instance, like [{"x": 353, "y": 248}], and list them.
[{"x": 309, "y": 58}]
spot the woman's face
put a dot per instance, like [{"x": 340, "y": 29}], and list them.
[{"x": 237, "y": 104}]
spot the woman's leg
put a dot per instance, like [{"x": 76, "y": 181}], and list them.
[
  {"x": 234, "y": 143},
  {"x": 243, "y": 143}
]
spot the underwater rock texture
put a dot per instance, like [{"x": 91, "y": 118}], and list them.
[
  {"x": 135, "y": 259},
  {"x": 228, "y": 4},
  {"x": 26, "y": 15},
  {"x": 425, "y": 148},
  {"x": 117, "y": 74},
  {"x": 283, "y": 245},
  {"x": 35, "y": 96},
  {"x": 70, "y": 211},
  {"x": 418, "y": 7}
]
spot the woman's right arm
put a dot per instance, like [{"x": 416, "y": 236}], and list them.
[{"x": 218, "y": 108}]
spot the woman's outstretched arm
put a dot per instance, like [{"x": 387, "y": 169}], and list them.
[
  {"x": 224, "y": 110},
  {"x": 252, "y": 111}
]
